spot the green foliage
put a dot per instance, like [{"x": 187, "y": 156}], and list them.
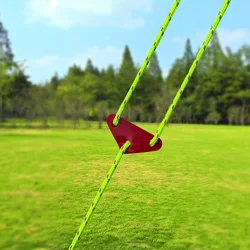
[
  {"x": 220, "y": 82},
  {"x": 90, "y": 68},
  {"x": 55, "y": 81},
  {"x": 14, "y": 83},
  {"x": 111, "y": 83},
  {"x": 126, "y": 73},
  {"x": 154, "y": 68},
  {"x": 218, "y": 91},
  {"x": 5, "y": 45}
]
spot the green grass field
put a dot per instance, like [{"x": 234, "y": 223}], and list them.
[{"x": 192, "y": 194}]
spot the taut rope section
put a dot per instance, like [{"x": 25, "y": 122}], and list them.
[
  {"x": 190, "y": 72},
  {"x": 99, "y": 193},
  {"x": 146, "y": 61}
]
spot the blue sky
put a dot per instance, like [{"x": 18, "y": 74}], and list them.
[{"x": 51, "y": 35}]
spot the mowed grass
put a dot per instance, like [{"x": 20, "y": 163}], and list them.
[{"x": 192, "y": 194}]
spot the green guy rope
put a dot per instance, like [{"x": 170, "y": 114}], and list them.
[
  {"x": 190, "y": 72},
  {"x": 146, "y": 61},
  {"x": 99, "y": 193}
]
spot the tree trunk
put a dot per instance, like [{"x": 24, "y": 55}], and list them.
[
  {"x": 44, "y": 122},
  {"x": 100, "y": 124},
  {"x": 87, "y": 121},
  {"x": 1, "y": 108},
  {"x": 129, "y": 112},
  {"x": 242, "y": 112},
  {"x": 100, "y": 115}
]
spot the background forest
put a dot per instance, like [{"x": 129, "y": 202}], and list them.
[{"x": 218, "y": 92}]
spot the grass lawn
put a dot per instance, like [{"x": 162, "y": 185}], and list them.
[{"x": 192, "y": 194}]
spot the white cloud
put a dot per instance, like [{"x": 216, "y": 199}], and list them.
[
  {"x": 69, "y": 13},
  {"x": 165, "y": 71},
  {"x": 46, "y": 61},
  {"x": 41, "y": 69},
  {"x": 179, "y": 39},
  {"x": 233, "y": 38},
  {"x": 228, "y": 37},
  {"x": 101, "y": 57}
]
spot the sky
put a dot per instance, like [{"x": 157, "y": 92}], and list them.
[{"x": 48, "y": 36}]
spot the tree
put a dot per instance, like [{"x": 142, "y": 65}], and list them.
[
  {"x": 40, "y": 103},
  {"x": 234, "y": 114},
  {"x": 95, "y": 94},
  {"x": 213, "y": 116},
  {"x": 69, "y": 94},
  {"x": 5, "y": 45},
  {"x": 236, "y": 90},
  {"x": 101, "y": 109},
  {"x": 126, "y": 75},
  {"x": 14, "y": 82},
  {"x": 3, "y": 87},
  {"x": 173, "y": 81},
  {"x": 56, "y": 102},
  {"x": 244, "y": 94},
  {"x": 55, "y": 81},
  {"x": 154, "y": 68},
  {"x": 217, "y": 53},
  {"x": 91, "y": 69},
  {"x": 112, "y": 88},
  {"x": 211, "y": 75},
  {"x": 188, "y": 58},
  {"x": 19, "y": 82},
  {"x": 6, "y": 58}
]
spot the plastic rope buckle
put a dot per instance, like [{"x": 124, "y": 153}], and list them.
[{"x": 138, "y": 137}]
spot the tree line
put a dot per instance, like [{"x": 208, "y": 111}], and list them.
[{"x": 218, "y": 92}]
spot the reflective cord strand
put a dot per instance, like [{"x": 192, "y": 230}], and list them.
[
  {"x": 190, "y": 72},
  {"x": 146, "y": 62},
  {"x": 99, "y": 193}
]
